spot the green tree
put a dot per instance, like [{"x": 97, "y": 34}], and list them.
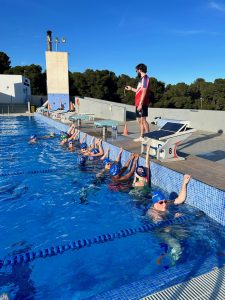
[
  {"x": 126, "y": 97},
  {"x": 4, "y": 62}
]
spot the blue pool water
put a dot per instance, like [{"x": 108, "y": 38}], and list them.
[{"x": 47, "y": 209}]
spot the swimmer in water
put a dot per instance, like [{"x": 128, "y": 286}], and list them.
[
  {"x": 33, "y": 139},
  {"x": 159, "y": 209},
  {"x": 159, "y": 212},
  {"x": 118, "y": 174},
  {"x": 142, "y": 175}
]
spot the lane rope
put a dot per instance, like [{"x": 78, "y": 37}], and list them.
[{"x": 82, "y": 243}]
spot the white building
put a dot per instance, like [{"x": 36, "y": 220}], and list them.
[{"x": 14, "y": 89}]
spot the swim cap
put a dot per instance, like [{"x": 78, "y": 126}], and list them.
[
  {"x": 63, "y": 137},
  {"x": 33, "y": 136},
  {"x": 141, "y": 171},
  {"x": 52, "y": 134},
  {"x": 94, "y": 151},
  {"x": 106, "y": 161},
  {"x": 157, "y": 196},
  {"x": 115, "y": 169},
  {"x": 83, "y": 146},
  {"x": 81, "y": 160}
]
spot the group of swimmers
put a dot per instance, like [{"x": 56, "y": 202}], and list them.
[{"x": 131, "y": 177}]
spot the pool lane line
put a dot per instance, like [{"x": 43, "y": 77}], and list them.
[
  {"x": 83, "y": 243},
  {"x": 33, "y": 172}
]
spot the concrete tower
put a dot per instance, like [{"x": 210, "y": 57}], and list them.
[{"x": 57, "y": 76}]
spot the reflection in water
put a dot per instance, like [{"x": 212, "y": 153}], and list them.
[{"x": 17, "y": 279}]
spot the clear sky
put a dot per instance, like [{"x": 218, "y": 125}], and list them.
[{"x": 179, "y": 40}]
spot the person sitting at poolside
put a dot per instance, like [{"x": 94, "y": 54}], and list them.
[
  {"x": 159, "y": 210},
  {"x": 33, "y": 139}
]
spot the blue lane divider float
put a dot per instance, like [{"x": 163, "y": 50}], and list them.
[{"x": 76, "y": 245}]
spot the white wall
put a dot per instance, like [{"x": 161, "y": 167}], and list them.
[
  {"x": 14, "y": 89},
  {"x": 102, "y": 109},
  {"x": 206, "y": 120}
]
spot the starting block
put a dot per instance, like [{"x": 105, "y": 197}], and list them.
[{"x": 163, "y": 142}]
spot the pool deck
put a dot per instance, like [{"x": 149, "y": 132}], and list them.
[{"x": 204, "y": 152}]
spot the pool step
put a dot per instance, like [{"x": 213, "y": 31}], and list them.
[{"x": 210, "y": 286}]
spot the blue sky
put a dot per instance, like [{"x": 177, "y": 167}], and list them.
[{"x": 179, "y": 40}]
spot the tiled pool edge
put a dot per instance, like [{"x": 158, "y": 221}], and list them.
[
  {"x": 170, "y": 277},
  {"x": 200, "y": 195}
]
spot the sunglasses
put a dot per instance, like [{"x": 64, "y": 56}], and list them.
[{"x": 163, "y": 201}]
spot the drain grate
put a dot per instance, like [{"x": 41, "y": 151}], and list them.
[{"x": 210, "y": 286}]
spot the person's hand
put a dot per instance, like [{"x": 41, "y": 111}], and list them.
[
  {"x": 139, "y": 108},
  {"x": 186, "y": 178},
  {"x": 128, "y": 88},
  {"x": 121, "y": 150}
]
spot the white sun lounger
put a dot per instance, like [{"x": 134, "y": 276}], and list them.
[{"x": 163, "y": 142}]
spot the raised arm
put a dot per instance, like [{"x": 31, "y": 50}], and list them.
[
  {"x": 101, "y": 151},
  {"x": 74, "y": 135},
  {"x": 83, "y": 138},
  {"x": 133, "y": 159},
  {"x": 183, "y": 192},
  {"x": 147, "y": 162},
  {"x": 106, "y": 154},
  {"x": 119, "y": 155}
]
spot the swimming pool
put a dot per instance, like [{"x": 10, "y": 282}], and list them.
[{"x": 39, "y": 210}]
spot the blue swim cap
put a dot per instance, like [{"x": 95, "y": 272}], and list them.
[
  {"x": 83, "y": 146},
  {"x": 157, "y": 196},
  {"x": 106, "y": 161},
  {"x": 33, "y": 136},
  {"x": 94, "y": 151},
  {"x": 115, "y": 169},
  {"x": 141, "y": 171},
  {"x": 81, "y": 160}
]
